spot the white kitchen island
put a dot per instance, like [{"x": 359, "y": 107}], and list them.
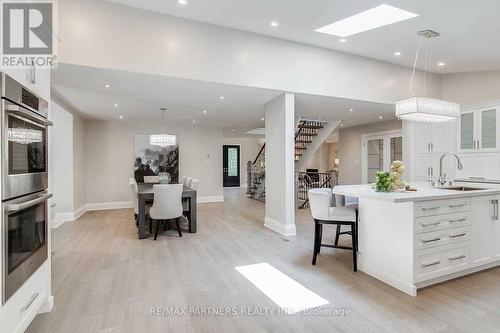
[{"x": 411, "y": 240}]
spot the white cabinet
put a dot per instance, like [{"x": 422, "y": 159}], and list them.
[
  {"x": 485, "y": 230},
  {"x": 34, "y": 78},
  {"x": 423, "y": 145},
  {"x": 478, "y": 130}
]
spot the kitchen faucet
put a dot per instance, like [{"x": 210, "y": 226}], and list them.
[{"x": 442, "y": 177}]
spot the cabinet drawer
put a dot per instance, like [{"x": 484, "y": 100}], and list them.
[
  {"x": 438, "y": 207},
  {"x": 439, "y": 222},
  {"x": 439, "y": 261},
  {"x": 441, "y": 237}
]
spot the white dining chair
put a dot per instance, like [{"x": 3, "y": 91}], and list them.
[
  {"x": 188, "y": 181},
  {"x": 183, "y": 180},
  {"x": 135, "y": 201},
  {"x": 134, "y": 190},
  {"x": 194, "y": 184},
  {"x": 167, "y": 205},
  {"x": 320, "y": 200}
]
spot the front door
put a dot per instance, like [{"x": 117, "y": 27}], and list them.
[{"x": 231, "y": 166}]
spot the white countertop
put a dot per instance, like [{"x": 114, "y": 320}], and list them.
[{"x": 424, "y": 192}]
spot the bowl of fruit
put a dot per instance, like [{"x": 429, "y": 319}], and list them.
[{"x": 390, "y": 181}]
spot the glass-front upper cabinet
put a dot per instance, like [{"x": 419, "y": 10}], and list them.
[{"x": 478, "y": 130}]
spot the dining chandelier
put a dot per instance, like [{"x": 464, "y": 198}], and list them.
[{"x": 163, "y": 140}]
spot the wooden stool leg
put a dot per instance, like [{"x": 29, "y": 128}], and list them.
[
  {"x": 178, "y": 225},
  {"x": 316, "y": 241},
  {"x": 320, "y": 237},
  {"x": 337, "y": 235},
  {"x": 354, "y": 246}
]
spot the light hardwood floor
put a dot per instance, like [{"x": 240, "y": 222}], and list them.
[{"x": 106, "y": 280}]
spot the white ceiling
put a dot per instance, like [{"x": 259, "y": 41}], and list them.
[
  {"x": 140, "y": 96},
  {"x": 469, "y": 29}
]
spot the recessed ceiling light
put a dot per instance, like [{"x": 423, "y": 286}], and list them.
[
  {"x": 121, "y": 117},
  {"x": 221, "y": 97},
  {"x": 182, "y": 2},
  {"x": 441, "y": 64},
  {"x": 205, "y": 112},
  {"x": 380, "y": 117},
  {"x": 397, "y": 54},
  {"x": 274, "y": 24},
  {"x": 262, "y": 118},
  {"x": 245, "y": 125},
  {"x": 369, "y": 19},
  {"x": 115, "y": 105},
  {"x": 107, "y": 86},
  {"x": 341, "y": 125},
  {"x": 232, "y": 130},
  {"x": 350, "y": 110},
  {"x": 193, "y": 121},
  {"x": 342, "y": 40}
]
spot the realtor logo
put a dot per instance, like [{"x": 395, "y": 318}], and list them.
[
  {"x": 27, "y": 28},
  {"x": 27, "y": 33}
]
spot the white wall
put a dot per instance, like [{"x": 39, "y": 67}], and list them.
[
  {"x": 79, "y": 196},
  {"x": 323, "y": 158},
  {"x": 249, "y": 148},
  {"x": 280, "y": 164},
  {"x": 471, "y": 88},
  {"x": 106, "y": 35},
  {"x": 109, "y": 158},
  {"x": 62, "y": 159},
  {"x": 349, "y": 147}
]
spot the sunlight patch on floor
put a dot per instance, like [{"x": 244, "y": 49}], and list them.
[{"x": 288, "y": 294}]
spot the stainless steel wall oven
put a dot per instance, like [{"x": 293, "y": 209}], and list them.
[{"x": 24, "y": 183}]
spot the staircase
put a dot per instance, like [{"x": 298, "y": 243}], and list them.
[{"x": 309, "y": 133}]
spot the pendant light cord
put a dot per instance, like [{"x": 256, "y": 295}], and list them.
[{"x": 414, "y": 69}]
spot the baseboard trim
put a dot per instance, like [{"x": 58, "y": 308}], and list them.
[
  {"x": 108, "y": 205},
  {"x": 61, "y": 218},
  {"x": 211, "y": 198},
  {"x": 47, "y": 305},
  {"x": 283, "y": 229}
]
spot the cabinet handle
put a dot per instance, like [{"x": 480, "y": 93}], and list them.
[
  {"x": 457, "y": 205},
  {"x": 434, "y": 263},
  {"x": 432, "y": 147},
  {"x": 32, "y": 299},
  {"x": 495, "y": 210},
  {"x": 425, "y": 225},
  {"x": 457, "y": 220},
  {"x": 430, "y": 208},
  {"x": 425, "y": 241},
  {"x": 459, "y": 235},
  {"x": 457, "y": 258}
]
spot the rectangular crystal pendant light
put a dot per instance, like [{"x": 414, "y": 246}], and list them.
[{"x": 427, "y": 109}]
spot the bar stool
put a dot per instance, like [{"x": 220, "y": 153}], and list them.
[{"x": 320, "y": 200}]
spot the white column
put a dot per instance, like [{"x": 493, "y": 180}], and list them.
[{"x": 280, "y": 164}]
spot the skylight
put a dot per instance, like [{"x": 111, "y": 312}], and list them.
[
  {"x": 288, "y": 294},
  {"x": 369, "y": 19}
]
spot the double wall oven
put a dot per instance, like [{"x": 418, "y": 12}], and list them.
[{"x": 24, "y": 183}]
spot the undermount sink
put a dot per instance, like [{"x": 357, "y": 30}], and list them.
[{"x": 461, "y": 188}]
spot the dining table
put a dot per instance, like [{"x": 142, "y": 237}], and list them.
[{"x": 146, "y": 195}]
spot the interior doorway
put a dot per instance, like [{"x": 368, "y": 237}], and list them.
[
  {"x": 231, "y": 166},
  {"x": 379, "y": 151}
]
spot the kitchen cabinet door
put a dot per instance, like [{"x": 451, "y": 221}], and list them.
[
  {"x": 488, "y": 125},
  {"x": 467, "y": 126},
  {"x": 422, "y": 132},
  {"x": 422, "y": 167},
  {"x": 483, "y": 223},
  {"x": 443, "y": 137}
]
